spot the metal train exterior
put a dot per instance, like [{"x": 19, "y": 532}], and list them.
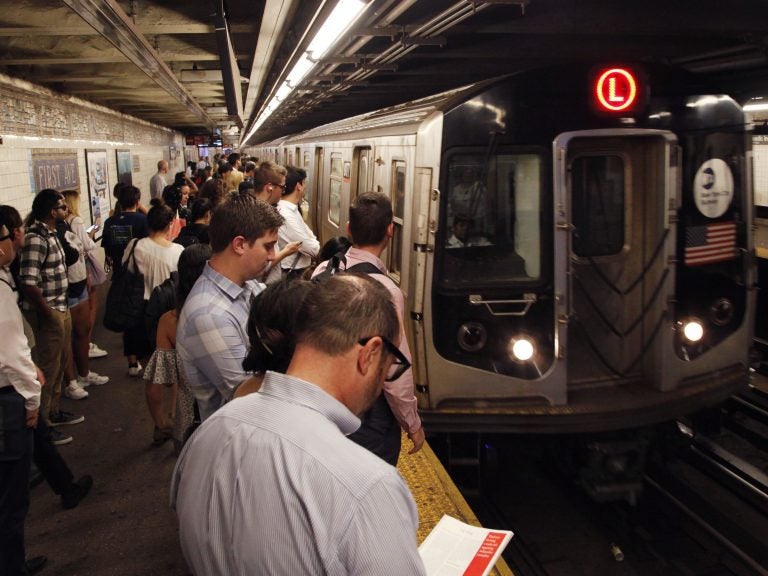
[{"x": 574, "y": 243}]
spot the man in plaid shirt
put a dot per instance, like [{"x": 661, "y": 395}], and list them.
[{"x": 43, "y": 280}]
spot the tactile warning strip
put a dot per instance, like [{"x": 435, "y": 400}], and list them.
[{"x": 436, "y": 494}]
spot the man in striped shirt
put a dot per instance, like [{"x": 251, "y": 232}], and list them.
[{"x": 271, "y": 485}]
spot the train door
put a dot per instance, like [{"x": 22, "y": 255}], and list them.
[
  {"x": 330, "y": 220},
  {"x": 307, "y": 204},
  {"x": 618, "y": 190},
  {"x": 361, "y": 162},
  {"x": 317, "y": 192}
]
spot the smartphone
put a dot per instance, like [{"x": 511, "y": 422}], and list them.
[{"x": 93, "y": 228}]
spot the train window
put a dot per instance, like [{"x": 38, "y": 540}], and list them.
[
  {"x": 398, "y": 207},
  {"x": 597, "y": 200},
  {"x": 334, "y": 203},
  {"x": 493, "y": 224}
]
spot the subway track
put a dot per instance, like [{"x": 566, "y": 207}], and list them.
[{"x": 702, "y": 511}]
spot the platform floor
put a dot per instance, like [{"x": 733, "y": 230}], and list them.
[
  {"x": 436, "y": 494},
  {"x": 125, "y": 526}
]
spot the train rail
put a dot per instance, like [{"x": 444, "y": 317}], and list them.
[{"x": 704, "y": 507}]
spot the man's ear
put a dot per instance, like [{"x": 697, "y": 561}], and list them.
[
  {"x": 369, "y": 355},
  {"x": 391, "y": 230},
  {"x": 238, "y": 244}
]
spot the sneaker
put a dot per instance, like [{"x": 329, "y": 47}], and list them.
[
  {"x": 134, "y": 369},
  {"x": 96, "y": 352},
  {"x": 92, "y": 378},
  {"x": 62, "y": 418},
  {"x": 76, "y": 492},
  {"x": 74, "y": 391},
  {"x": 58, "y": 438}
]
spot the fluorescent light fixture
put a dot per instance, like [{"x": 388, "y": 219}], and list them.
[
  {"x": 339, "y": 21},
  {"x": 756, "y": 107}
]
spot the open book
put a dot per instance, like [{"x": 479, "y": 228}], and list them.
[{"x": 454, "y": 548}]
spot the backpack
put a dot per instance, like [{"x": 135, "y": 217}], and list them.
[
  {"x": 186, "y": 239},
  {"x": 71, "y": 253},
  {"x": 334, "y": 268}
]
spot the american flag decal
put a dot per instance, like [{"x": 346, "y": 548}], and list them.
[{"x": 710, "y": 243}]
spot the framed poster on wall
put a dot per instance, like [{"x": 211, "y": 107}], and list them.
[
  {"x": 124, "y": 167},
  {"x": 98, "y": 185}
]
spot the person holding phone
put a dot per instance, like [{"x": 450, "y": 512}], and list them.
[
  {"x": 295, "y": 229},
  {"x": 78, "y": 372}
]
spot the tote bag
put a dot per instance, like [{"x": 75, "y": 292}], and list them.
[
  {"x": 125, "y": 300},
  {"x": 96, "y": 273}
]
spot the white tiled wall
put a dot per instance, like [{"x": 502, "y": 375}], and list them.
[
  {"x": 17, "y": 185},
  {"x": 24, "y": 108}
]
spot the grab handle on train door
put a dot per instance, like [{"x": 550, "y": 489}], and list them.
[{"x": 525, "y": 303}]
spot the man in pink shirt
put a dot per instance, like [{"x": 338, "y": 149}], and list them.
[{"x": 370, "y": 227}]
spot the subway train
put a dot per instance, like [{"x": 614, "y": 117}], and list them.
[{"x": 574, "y": 243}]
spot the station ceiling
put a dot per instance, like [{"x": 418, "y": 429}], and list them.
[{"x": 198, "y": 65}]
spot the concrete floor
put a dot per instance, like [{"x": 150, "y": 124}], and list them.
[{"x": 124, "y": 527}]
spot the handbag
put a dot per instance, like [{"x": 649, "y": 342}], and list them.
[
  {"x": 96, "y": 272},
  {"x": 124, "y": 308}
]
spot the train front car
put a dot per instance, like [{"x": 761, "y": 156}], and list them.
[{"x": 592, "y": 264}]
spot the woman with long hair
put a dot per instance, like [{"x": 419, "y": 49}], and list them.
[
  {"x": 163, "y": 369},
  {"x": 155, "y": 257},
  {"x": 81, "y": 308}
]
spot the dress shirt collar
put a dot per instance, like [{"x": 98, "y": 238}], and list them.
[
  {"x": 42, "y": 228},
  {"x": 288, "y": 205},
  {"x": 296, "y": 391},
  {"x": 224, "y": 284},
  {"x": 365, "y": 256}
]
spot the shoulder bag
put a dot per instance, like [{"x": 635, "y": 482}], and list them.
[{"x": 124, "y": 308}]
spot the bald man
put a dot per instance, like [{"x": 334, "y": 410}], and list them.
[{"x": 157, "y": 182}]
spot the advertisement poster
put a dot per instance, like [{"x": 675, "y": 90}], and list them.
[
  {"x": 124, "y": 167},
  {"x": 98, "y": 185}
]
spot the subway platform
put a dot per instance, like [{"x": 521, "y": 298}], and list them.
[{"x": 125, "y": 527}]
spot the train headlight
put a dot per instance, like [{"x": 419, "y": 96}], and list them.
[
  {"x": 521, "y": 349},
  {"x": 693, "y": 331}
]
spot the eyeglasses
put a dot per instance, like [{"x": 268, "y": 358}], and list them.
[
  {"x": 401, "y": 363},
  {"x": 5, "y": 237},
  {"x": 281, "y": 186},
  {"x": 62, "y": 207}
]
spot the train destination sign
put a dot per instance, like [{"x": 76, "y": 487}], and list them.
[{"x": 616, "y": 89}]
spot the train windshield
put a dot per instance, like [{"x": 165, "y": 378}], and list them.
[{"x": 492, "y": 231}]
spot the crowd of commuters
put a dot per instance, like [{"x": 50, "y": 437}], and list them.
[{"x": 299, "y": 388}]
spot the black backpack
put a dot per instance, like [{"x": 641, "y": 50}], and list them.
[{"x": 71, "y": 254}]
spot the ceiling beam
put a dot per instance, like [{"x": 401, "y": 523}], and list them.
[
  {"x": 147, "y": 30},
  {"x": 108, "y": 18}
]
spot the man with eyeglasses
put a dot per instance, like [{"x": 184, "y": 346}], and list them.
[
  {"x": 270, "y": 484},
  {"x": 370, "y": 227},
  {"x": 43, "y": 281},
  {"x": 269, "y": 182}
]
